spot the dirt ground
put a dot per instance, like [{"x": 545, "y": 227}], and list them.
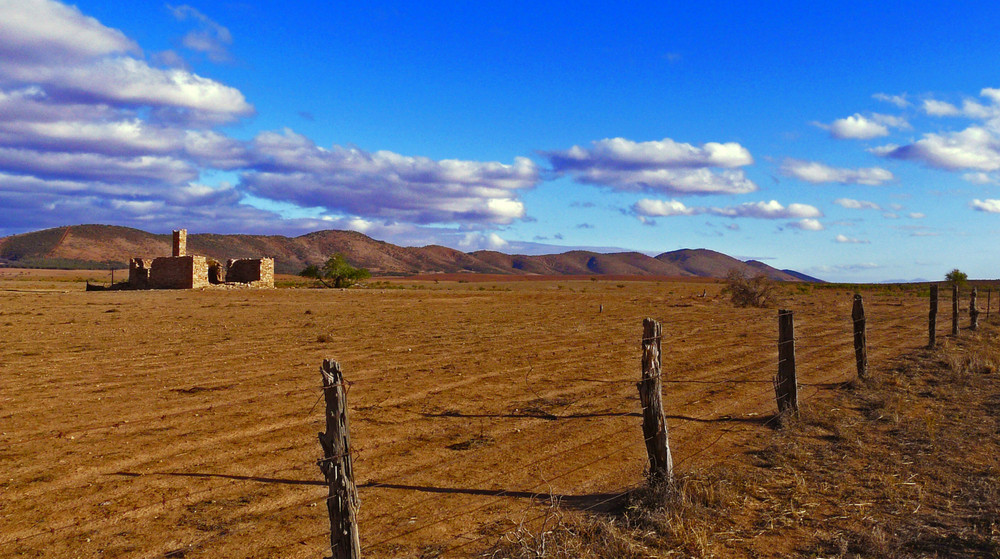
[{"x": 183, "y": 423}]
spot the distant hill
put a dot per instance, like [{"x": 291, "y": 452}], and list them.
[{"x": 95, "y": 246}]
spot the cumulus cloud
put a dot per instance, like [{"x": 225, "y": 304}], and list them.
[
  {"x": 856, "y": 204},
  {"x": 757, "y": 210},
  {"x": 850, "y": 240},
  {"x": 974, "y": 148},
  {"x": 768, "y": 210},
  {"x": 807, "y": 225},
  {"x": 916, "y": 215},
  {"x": 898, "y": 100},
  {"x": 815, "y": 172},
  {"x": 663, "y": 166},
  {"x": 47, "y": 31},
  {"x": 289, "y": 167},
  {"x": 74, "y": 57},
  {"x": 91, "y": 131},
  {"x": 662, "y": 208},
  {"x": 979, "y": 178},
  {"x": 209, "y": 38},
  {"x": 940, "y": 108},
  {"x": 480, "y": 241},
  {"x": 988, "y": 206},
  {"x": 855, "y": 127}
]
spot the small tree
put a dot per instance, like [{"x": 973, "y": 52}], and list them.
[
  {"x": 956, "y": 277},
  {"x": 757, "y": 291},
  {"x": 337, "y": 270}
]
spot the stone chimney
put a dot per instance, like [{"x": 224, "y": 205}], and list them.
[{"x": 180, "y": 242}]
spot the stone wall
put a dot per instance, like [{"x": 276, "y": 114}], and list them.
[
  {"x": 138, "y": 273},
  {"x": 180, "y": 242},
  {"x": 256, "y": 272},
  {"x": 179, "y": 272}
]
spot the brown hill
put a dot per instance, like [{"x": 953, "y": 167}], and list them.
[
  {"x": 709, "y": 263},
  {"x": 95, "y": 246}
]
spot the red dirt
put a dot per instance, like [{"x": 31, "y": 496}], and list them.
[{"x": 136, "y": 424}]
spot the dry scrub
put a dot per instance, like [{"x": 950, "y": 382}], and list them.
[{"x": 904, "y": 465}]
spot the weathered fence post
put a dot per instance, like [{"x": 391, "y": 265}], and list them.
[
  {"x": 954, "y": 310},
  {"x": 989, "y": 294},
  {"x": 336, "y": 465},
  {"x": 654, "y": 424},
  {"x": 786, "y": 387},
  {"x": 932, "y": 319},
  {"x": 973, "y": 311},
  {"x": 860, "y": 339}
]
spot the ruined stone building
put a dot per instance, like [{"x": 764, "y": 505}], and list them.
[{"x": 184, "y": 271}]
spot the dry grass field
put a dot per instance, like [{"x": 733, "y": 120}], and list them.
[{"x": 183, "y": 423}]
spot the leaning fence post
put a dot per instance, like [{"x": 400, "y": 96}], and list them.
[
  {"x": 973, "y": 311},
  {"x": 954, "y": 310},
  {"x": 932, "y": 319},
  {"x": 336, "y": 465},
  {"x": 785, "y": 385},
  {"x": 654, "y": 424},
  {"x": 860, "y": 340}
]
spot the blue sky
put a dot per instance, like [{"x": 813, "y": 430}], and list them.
[{"x": 850, "y": 141}]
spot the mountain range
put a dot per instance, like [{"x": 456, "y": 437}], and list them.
[{"x": 100, "y": 246}]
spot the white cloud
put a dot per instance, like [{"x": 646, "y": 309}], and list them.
[
  {"x": 664, "y": 166},
  {"x": 807, "y": 225},
  {"x": 209, "y": 38},
  {"x": 661, "y": 208},
  {"x": 145, "y": 169},
  {"x": 496, "y": 242},
  {"x": 815, "y": 172},
  {"x": 55, "y": 47},
  {"x": 891, "y": 121},
  {"x": 916, "y": 215},
  {"x": 988, "y": 206},
  {"x": 850, "y": 240},
  {"x": 979, "y": 178},
  {"x": 898, "y": 100},
  {"x": 44, "y": 30},
  {"x": 289, "y": 167},
  {"x": 856, "y": 127},
  {"x": 768, "y": 210},
  {"x": 856, "y": 204},
  {"x": 940, "y": 108},
  {"x": 757, "y": 210},
  {"x": 974, "y": 148}
]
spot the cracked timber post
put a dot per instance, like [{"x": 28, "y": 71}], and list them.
[
  {"x": 932, "y": 319},
  {"x": 336, "y": 465},
  {"x": 954, "y": 309},
  {"x": 654, "y": 424},
  {"x": 860, "y": 339},
  {"x": 786, "y": 389},
  {"x": 973, "y": 311}
]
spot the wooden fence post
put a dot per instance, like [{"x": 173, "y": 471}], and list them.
[
  {"x": 654, "y": 424},
  {"x": 860, "y": 336},
  {"x": 932, "y": 319},
  {"x": 973, "y": 311},
  {"x": 337, "y": 467},
  {"x": 954, "y": 310},
  {"x": 989, "y": 294},
  {"x": 786, "y": 387}
]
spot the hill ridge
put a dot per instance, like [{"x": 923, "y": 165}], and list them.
[{"x": 96, "y": 245}]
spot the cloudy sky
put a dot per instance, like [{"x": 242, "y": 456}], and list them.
[{"x": 845, "y": 140}]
